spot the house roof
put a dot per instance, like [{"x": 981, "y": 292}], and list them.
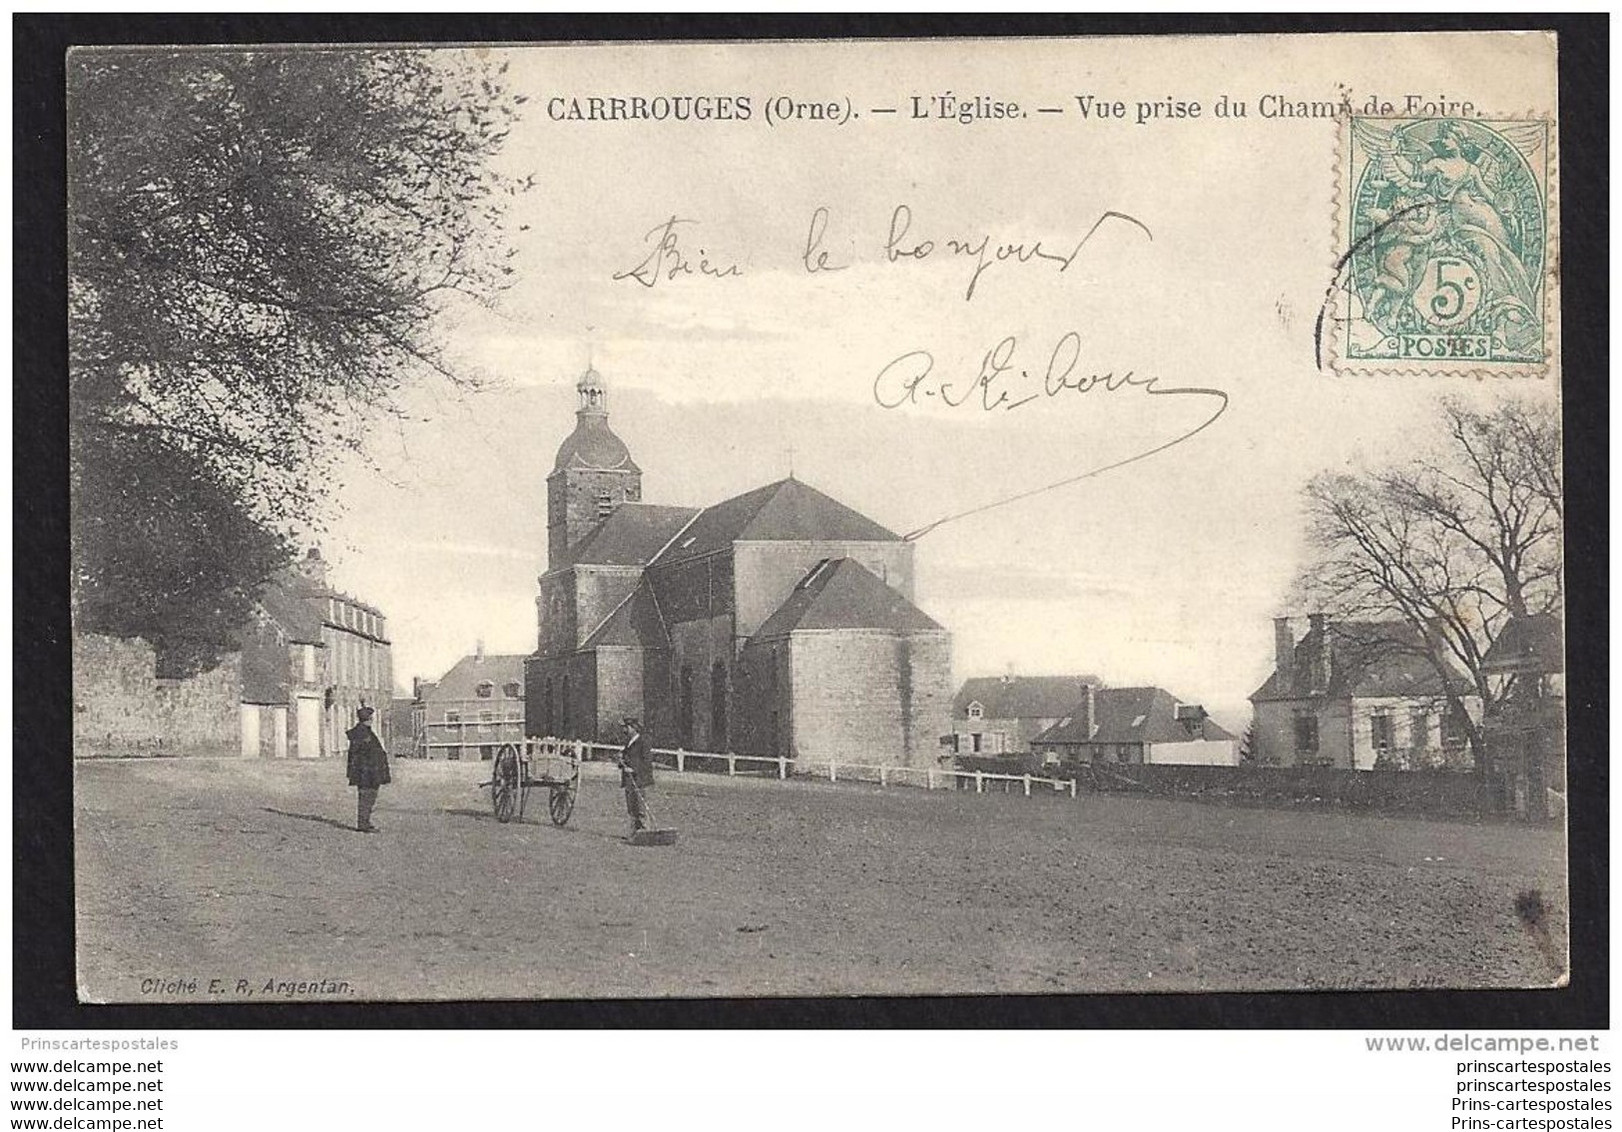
[
  {"x": 1368, "y": 659},
  {"x": 631, "y": 536},
  {"x": 841, "y": 593},
  {"x": 297, "y": 606},
  {"x": 634, "y": 622},
  {"x": 593, "y": 445},
  {"x": 468, "y": 673},
  {"x": 1535, "y": 643},
  {"x": 1022, "y": 697},
  {"x": 1130, "y": 715},
  {"x": 787, "y": 510}
]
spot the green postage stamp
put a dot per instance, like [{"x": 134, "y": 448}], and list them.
[{"x": 1449, "y": 240}]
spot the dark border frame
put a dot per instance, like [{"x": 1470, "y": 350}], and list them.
[{"x": 42, "y": 848}]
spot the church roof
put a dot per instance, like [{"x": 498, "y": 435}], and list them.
[
  {"x": 632, "y": 535},
  {"x": 785, "y": 511},
  {"x": 635, "y": 622},
  {"x": 593, "y": 446},
  {"x": 841, "y": 593}
]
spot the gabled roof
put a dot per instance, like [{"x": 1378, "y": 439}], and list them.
[
  {"x": 468, "y": 673},
  {"x": 635, "y": 622},
  {"x": 787, "y": 510},
  {"x": 1022, "y": 697},
  {"x": 631, "y": 536},
  {"x": 1130, "y": 715},
  {"x": 1535, "y": 643},
  {"x": 841, "y": 593},
  {"x": 297, "y": 606},
  {"x": 1368, "y": 659}
]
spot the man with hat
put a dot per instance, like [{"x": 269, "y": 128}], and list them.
[
  {"x": 636, "y": 773},
  {"x": 368, "y": 768}
]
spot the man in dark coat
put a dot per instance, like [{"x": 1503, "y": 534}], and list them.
[
  {"x": 636, "y": 773},
  {"x": 368, "y": 768}
]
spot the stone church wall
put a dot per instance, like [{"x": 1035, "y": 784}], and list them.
[
  {"x": 846, "y": 687},
  {"x": 767, "y": 572},
  {"x": 929, "y": 691}
]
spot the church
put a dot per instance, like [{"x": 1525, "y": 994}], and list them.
[{"x": 779, "y": 622}]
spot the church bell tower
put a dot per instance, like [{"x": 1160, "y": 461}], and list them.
[{"x": 592, "y": 475}]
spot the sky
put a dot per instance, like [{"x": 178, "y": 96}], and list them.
[{"x": 1211, "y": 246}]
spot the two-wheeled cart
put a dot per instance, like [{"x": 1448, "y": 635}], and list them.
[{"x": 550, "y": 764}]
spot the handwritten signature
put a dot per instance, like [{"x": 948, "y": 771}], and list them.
[
  {"x": 1002, "y": 385},
  {"x": 669, "y": 259}
]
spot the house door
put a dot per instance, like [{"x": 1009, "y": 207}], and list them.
[{"x": 309, "y": 727}]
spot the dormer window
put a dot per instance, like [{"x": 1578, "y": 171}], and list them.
[
  {"x": 485, "y": 690},
  {"x": 976, "y": 711},
  {"x": 512, "y": 689}
]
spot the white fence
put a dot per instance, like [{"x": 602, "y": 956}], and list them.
[{"x": 781, "y": 767}]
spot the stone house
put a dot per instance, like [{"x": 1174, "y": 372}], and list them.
[
  {"x": 1356, "y": 695},
  {"x": 1136, "y": 726},
  {"x": 1000, "y": 715},
  {"x": 778, "y": 622},
  {"x": 312, "y": 657},
  {"x": 472, "y": 709}
]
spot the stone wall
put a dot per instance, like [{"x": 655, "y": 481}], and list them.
[{"x": 120, "y": 707}]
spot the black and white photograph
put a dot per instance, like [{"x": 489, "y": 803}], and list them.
[{"x": 730, "y": 520}]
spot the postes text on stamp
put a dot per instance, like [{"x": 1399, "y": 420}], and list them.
[{"x": 1447, "y": 226}]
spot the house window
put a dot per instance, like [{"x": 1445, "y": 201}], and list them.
[
  {"x": 1380, "y": 731},
  {"x": 976, "y": 711},
  {"x": 513, "y": 690},
  {"x": 452, "y": 716},
  {"x": 1306, "y": 735},
  {"x": 485, "y": 690},
  {"x": 974, "y": 742},
  {"x": 486, "y": 718},
  {"x": 1420, "y": 726},
  {"x": 309, "y": 664},
  {"x": 605, "y": 504},
  {"x": 1454, "y": 732}
]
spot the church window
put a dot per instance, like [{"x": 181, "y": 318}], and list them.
[
  {"x": 549, "y": 708},
  {"x": 563, "y": 710},
  {"x": 686, "y": 720},
  {"x": 718, "y": 706}
]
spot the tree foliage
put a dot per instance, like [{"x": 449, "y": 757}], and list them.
[
  {"x": 1452, "y": 545},
  {"x": 262, "y": 246}
]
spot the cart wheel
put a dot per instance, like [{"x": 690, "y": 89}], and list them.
[
  {"x": 561, "y": 804},
  {"x": 504, "y": 783}
]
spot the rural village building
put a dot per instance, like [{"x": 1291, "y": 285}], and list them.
[
  {"x": 312, "y": 657},
  {"x": 309, "y": 657},
  {"x": 779, "y": 622},
  {"x": 472, "y": 709},
  {"x": 1000, "y": 715},
  {"x": 1142, "y": 726},
  {"x": 1355, "y": 695}
]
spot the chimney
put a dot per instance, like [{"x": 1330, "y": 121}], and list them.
[
  {"x": 314, "y": 567},
  {"x": 478, "y": 651},
  {"x": 1284, "y": 652},
  {"x": 1092, "y": 710},
  {"x": 1322, "y": 664}
]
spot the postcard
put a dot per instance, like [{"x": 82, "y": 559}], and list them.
[{"x": 906, "y": 517}]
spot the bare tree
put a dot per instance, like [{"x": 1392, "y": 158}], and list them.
[{"x": 1452, "y": 544}]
